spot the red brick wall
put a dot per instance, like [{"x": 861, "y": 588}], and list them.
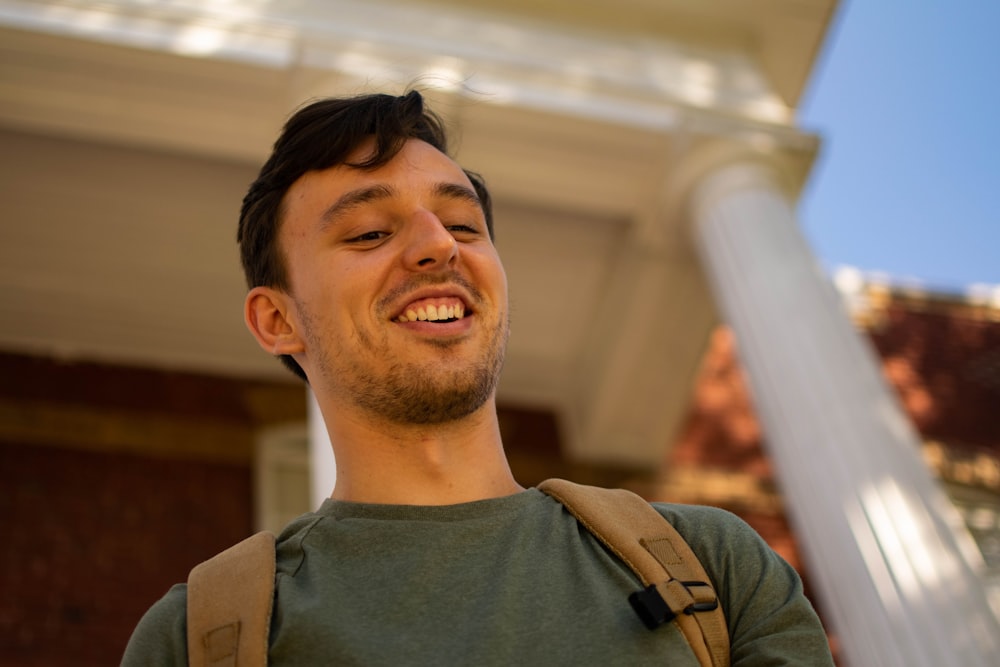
[
  {"x": 944, "y": 362},
  {"x": 110, "y": 491},
  {"x": 92, "y": 539}
]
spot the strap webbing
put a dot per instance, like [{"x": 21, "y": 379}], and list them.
[
  {"x": 653, "y": 549},
  {"x": 229, "y": 605}
]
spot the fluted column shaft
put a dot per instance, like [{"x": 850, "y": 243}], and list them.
[
  {"x": 322, "y": 465},
  {"x": 894, "y": 565}
]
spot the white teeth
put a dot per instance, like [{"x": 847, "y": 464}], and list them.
[{"x": 432, "y": 313}]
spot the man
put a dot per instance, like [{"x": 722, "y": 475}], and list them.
[{"x": 373, "y": 274}]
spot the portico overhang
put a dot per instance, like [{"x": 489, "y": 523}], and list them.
[{"x": 131, "y": 130}]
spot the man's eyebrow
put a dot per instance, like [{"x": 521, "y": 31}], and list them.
[
  {"x": 458, "y": 191},
  {"x": 354, "y": 198}
]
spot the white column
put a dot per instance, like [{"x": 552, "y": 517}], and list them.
[
  {"x": 896, "y": 570},
  {"x": 322, "y": 466}
]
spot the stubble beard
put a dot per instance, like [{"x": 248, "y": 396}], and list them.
[{"x": 412, "y": 393}]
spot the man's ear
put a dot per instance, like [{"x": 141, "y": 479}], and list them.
[{"x": 266, "y": 312}]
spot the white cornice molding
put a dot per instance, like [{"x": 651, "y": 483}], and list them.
[{"x": 499, "y": 58}]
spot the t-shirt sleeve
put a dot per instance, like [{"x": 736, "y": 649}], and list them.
[
  {"x": 160, "y": 638},
  {"x": 770, "y": 620}
]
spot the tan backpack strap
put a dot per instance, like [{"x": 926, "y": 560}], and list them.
[
  {"x": 229, "y": 605},
  {"x": 677, "y": 586}
]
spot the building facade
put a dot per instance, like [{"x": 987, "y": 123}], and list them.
[{"x": 645, "y": 161}]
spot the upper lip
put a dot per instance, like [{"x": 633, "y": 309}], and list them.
[{"x": 451, "y": 291}]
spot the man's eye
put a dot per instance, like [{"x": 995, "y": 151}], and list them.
[
  {"x": 463, "y": 229},
  {"x": 368, "y": 236}
]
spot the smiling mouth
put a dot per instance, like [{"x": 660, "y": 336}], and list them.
[{"x": 430, "y": 312}]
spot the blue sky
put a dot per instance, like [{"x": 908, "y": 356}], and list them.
[{"x": 906, "y": 95}]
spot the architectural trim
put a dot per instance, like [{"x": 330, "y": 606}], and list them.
[
  {"x": 555, "y": 66},
  {"x": 92, "y": 428}
]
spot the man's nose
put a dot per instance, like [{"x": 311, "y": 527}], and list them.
[{"x": 429, "y": 244}]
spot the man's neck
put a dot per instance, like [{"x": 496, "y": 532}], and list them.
[{"x": 440, "y": 464}]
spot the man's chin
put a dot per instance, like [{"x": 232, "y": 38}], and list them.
[
  {"x": 438, "y": 407},
  {"x": 428, "y": 395}
]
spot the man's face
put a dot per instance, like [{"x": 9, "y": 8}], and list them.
[{"x": 396, "y": 289}]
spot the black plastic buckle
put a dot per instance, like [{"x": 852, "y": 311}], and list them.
[
  {"x": 711, "y": 605},
  {"x": 649, "y": 604},
  {"x": 653, "y": 610}
]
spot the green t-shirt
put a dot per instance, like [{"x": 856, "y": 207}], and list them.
[{"x": 507, "y": 581}]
